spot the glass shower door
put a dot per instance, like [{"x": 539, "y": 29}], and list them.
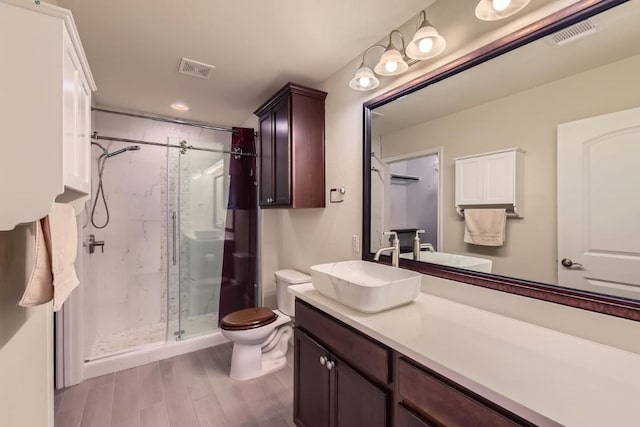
[{"x": 198, "y": 224}]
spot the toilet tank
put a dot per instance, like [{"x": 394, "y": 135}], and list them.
[{"x": 284, "y": 279}]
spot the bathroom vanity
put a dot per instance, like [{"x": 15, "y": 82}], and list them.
[{"x": 438, "y": 362}]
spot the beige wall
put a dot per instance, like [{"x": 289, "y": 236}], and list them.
[
  {"x": 301, "y": 238},
  {"x": 526, "y": 120}
]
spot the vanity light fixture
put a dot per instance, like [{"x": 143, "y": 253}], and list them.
[
  {"x": 392, "y": 61},
  {"x": 493, "y": 10},
  {"x": 425, "y": 44},
  {"x": 364, "y": 78}
]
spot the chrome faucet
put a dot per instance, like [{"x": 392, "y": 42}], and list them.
[
  {"x": 395, "y": 249},
  {"x": 418, "y": 247},
  {"x": 416, "y": 244},
  {"x": 427, "y": 246},
  {"x": 92, "y": 243}
]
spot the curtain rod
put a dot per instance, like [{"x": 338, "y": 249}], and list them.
[
  {"x": 166, "y": 120},
  {"x": 183, "y": 146}
]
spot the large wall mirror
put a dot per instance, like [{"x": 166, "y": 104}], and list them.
[{"x": 569, "y": 102}]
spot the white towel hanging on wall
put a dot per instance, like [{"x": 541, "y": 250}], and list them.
[{"x": 486, "y": 227}]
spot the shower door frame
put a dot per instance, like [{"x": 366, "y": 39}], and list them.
[{"x": 70, "y": 366}]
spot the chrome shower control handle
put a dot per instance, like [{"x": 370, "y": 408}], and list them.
[
  {"x": 567, "y": 263},
  {"x": 323, "y": 360}
]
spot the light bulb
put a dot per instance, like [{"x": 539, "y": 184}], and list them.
[
  {"x": 364, "y": 81},
  {"x": 391, "y": 66},
  {"x": 425, "y": 45},
  {"x": 500, "y": 5}
]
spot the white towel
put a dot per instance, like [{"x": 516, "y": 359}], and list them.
[
  {"x": 61, "y": 234},
  {"x": 39, "y": 289},
  {"x": 485, "y": 227}
]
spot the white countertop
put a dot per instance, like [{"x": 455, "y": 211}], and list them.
[{"x": 546, "y": 376}]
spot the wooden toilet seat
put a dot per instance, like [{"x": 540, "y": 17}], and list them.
[{"x": 248, "y": 318}]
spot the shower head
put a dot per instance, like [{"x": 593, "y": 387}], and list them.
[{"x": 122, "y": 150}]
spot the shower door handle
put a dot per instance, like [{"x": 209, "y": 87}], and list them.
[{"x": 173, "y": 232}]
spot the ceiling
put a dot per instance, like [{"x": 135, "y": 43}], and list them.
[
  {"x": 134, "y": 49},
  {"x": 617, "y": 37}
]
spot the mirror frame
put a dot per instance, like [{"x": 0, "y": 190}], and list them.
[{"x": 600, "y": 303}]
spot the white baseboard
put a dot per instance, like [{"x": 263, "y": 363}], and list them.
[{"x": 148, "y": 354}]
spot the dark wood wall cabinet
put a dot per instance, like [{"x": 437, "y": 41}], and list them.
[
  {"x": 343, "y": 378},
  {"x": 291, "y": 138}
]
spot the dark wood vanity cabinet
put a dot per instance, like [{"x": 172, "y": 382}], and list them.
[
  {"x": 312, "y": 383},
  {"x": 441, "y": 402},
  {"x": 291, "y": 138},
  {"x": 345, "y": 378},
  {"x": 328, "y": 392}
]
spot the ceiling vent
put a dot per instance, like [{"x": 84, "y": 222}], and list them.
[
  {"x": 195, "y": 69},
  {"x": 573, "y": 33}
]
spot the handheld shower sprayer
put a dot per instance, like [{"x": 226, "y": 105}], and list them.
[
  {"x": 122, "y": 150},
  {"x": 100, "y": 190}
]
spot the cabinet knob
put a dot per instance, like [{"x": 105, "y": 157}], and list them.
[
  {"x": 323, "y": 360},
  {"x": 330, "y": 365}
]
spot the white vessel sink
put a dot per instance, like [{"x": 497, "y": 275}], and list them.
[
  {"x": 453, "y": 260},
  {"x": 366, "y": 286}
]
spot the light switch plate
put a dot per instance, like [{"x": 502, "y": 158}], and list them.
[{"x": 355, "y": 243}]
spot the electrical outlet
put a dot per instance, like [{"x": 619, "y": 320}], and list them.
[{"x": 355, "y": 243}]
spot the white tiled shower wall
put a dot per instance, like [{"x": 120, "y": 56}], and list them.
[{"x": 125, "y": 288}]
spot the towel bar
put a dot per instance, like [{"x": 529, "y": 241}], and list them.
[{"x": 510, "y": 214}]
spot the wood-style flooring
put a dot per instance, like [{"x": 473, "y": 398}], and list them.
[{"x": 192, "y": 390}]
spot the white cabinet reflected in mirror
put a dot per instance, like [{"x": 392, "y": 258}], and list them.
[{"x": 521, "y": 99}]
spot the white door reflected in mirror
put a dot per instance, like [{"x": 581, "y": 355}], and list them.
[{"x": 598, "y": 206}]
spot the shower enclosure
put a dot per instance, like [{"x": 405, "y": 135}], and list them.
[{"x": 179, "y": 249}]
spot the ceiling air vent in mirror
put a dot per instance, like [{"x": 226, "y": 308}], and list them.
[
  {"x": 195, "y": 68},
  {"x": 573, "y": 33}
]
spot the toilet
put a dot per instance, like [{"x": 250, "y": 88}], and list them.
[{"x": 260, "y": 335}]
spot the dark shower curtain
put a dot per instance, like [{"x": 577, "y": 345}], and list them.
[{"x": 239, "y": 272}]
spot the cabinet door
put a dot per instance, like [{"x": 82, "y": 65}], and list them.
[
  {"x": 357, "y": 401},
  {"x": 499, "y": 178},
  {"x": 282, "y": 153},
  {"x": 70, "y": 142},
  {"x": 405, "y": 418},
  {"x": 266, "y": 159},
  {"x": 469, "y": 174},
  {"x": 83, "y": 134},
  {"x": 311, "y": 383}
]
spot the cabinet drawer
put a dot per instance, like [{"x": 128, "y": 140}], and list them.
[
  {"x": 371, "y": 358},
  {"x": 448, "y": 403},
  {"x": 405, "y": 418}
]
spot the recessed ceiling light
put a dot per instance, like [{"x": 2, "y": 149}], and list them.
[{"x": 180, "y": 106}]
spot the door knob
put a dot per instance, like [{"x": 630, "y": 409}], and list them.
[
  {"x": 330, "y": 364},
  {"x": 323, "y": 360},
  {"x": 567, "y": 263}
]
